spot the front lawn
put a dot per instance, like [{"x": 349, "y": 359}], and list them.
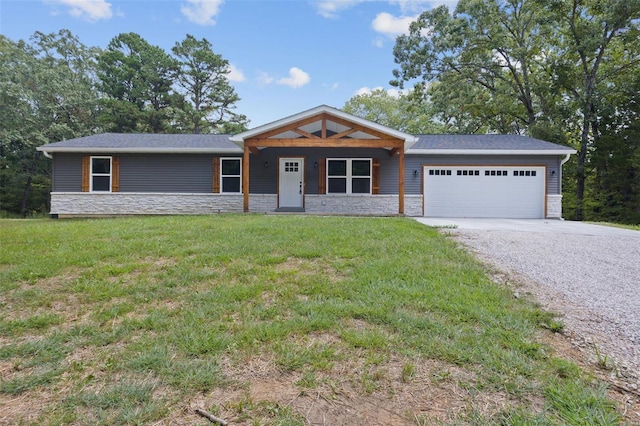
[{"x": 283, "y": 320}]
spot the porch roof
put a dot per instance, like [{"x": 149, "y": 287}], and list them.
[{"x": 324, "y": 126}]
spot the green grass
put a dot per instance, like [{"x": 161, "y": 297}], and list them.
[
  {"x": 618, "y": 225},
  {"x": 159, "y": 309}
]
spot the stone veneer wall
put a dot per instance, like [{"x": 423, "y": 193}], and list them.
[
  {"x": 131, "y": 203},
  {"x": 263, "y": 203},
  {"x": 124, "y": 203},
  {"x": 554, "y": 206},
  {"x": 362, "y": 204}
]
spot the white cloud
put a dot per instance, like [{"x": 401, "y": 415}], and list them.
[
  {"x": 201, "y": 12},
  {"x": 264, "y": 78},
  {"x": 297, "y": 78},
  {"x": 332, "y": 87},
  {"x": 378, "y": 42},
  {"x": 330, "y": 8},
  {"x": 392, "y": 26},
  {"x": 90, "y": 10},
  {"x": 417, "y": 6},
  {"x": 235, "y": 74}
]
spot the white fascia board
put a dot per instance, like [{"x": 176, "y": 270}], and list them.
[
  {"x": 99, "y": 150},
  {"x": 240, "y": 137},
  {"x": 490, "y": 151}
]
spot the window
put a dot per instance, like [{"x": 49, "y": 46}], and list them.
[
  {"x": 349, "y": 176},
  {"x": 524, "y": 173},
  {"x": 231, "y": 175},
  {"x": 100, "y": 174}
]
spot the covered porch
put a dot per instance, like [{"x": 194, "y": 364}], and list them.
[{"x": 325, "y": 159}]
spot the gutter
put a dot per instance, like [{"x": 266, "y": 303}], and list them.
[
  {"x": 114, "y": 150},
  {"x": 490, "y": 152}
]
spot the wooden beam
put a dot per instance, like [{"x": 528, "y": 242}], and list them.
[
  {"x": 290, "y": 126},
  {"x": 324, "y": 126},
  {"x": 326, "y": 143},
  {"x": 356, "y": 126},
  {"x": 254, "y": 150},
  {"x": 393, "y": 152},
  {"x": 342, "y": 134},
  {"x": 245, "y": 179},
  {"x": 401, "y": 182},
  {"x": 307, "y": 134}
]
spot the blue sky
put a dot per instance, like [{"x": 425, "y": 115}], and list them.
[{"x": 286, "y": 56}]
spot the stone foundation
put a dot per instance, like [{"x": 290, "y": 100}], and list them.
[
  {"x": 132, "y": 203},
  {"x": 67, "y": 204},
  {"x": 372, "y": 205},
  {"x": 554, "y": 206}
]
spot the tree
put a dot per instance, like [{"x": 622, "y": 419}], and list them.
[
  {"x": 485, "y": 56},
  {"x": 588, "y": 32},
  {"x": 48, "y": 95},
  {"x": 395, "y": 112},
  {"x": 203, "y": 79},
  {"x": 137, "y": 80},
  {"x": 613, "y": 193}
]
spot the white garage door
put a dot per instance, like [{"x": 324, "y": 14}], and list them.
[{"x": 492, "y": 191}]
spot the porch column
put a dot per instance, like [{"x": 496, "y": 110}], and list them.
[
  {"x": 401, "y": 181},
  {"x": 245, "y": 178}
]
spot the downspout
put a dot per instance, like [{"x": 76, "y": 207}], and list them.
[
  {"x": 564, "y": 160},
  {"x": 46, "y": 154}
]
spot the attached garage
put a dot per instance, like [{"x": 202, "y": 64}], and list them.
[{"x": 484, "y": 191}]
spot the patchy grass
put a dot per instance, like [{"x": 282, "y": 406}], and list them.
[
  {"x": 285, "y": 320},
  {"x": 618, "y": 225}
]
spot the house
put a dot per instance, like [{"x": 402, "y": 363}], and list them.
[{"x": 322, "y": 160}]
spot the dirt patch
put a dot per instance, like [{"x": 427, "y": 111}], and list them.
[{"x": 435, "y": 391}]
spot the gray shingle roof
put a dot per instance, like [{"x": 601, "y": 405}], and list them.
[
  {"x": 146, "y": 142},
  {"x": 191, "y": 143},
  {"x": 485, "y": 142}
]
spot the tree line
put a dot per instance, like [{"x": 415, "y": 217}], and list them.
[
  {"x": 565, "y": 71},
  {"x": 53, "y": 87}
]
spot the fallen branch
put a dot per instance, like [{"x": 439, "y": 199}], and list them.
[{"x": 211, "y": 417}]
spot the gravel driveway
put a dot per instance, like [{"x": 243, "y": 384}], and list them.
[{"x": 589, "y": 274}]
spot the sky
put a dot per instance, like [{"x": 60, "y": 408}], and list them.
[{"x": 285, "y": 56}]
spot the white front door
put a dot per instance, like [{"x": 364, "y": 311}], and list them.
[{"x": 291, "y": 182}]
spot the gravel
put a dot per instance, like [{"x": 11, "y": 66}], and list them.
[{"x": 592, "y": 281}]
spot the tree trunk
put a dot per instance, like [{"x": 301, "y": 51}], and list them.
[
  {"x": 582, "y": 159},
  {"x": 27, "y": 187}
]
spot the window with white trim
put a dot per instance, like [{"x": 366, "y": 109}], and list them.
[
  {"x": 100, "y": 174},
  {"x": 231, "y": 175},
  {"x": 348, "y": 176}
]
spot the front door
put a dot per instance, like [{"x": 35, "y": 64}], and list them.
[{"x": 291, "y": 182}]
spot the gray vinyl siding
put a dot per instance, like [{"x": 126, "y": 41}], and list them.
[
  {"x": 166, "y": 173},
  {"x": 192, "y": 173},
  {"x": 67, "y": 173},
  {"x": 185, "y": 173},
  {"x": 413, "y": 185}
]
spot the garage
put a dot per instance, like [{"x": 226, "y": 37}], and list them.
[{"x": 484, "y": 191}]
